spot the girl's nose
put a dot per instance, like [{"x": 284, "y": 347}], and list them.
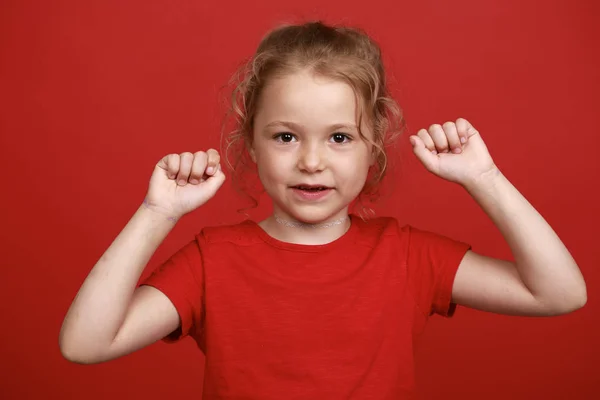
[{"x": 311, "y": 159}]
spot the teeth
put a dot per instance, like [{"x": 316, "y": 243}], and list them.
[{"x": 311, "y": 189}]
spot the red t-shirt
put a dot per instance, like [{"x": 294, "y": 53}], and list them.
[{"x": 285, "y": 321}]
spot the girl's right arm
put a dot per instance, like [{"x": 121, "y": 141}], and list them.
[{"x": 109, "y": 316}]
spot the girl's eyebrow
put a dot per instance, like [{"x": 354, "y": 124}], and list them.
[{"x": 297, "y": 127}]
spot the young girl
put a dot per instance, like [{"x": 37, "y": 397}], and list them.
[{"x": 314, "y": 302}]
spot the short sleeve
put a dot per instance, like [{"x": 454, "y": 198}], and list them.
[
  {"x": 180, "y": 279},
  {"x": 432, "y": 263}
]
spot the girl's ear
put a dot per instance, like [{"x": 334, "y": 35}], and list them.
[
  {"x": 373, "y": 156},
  {"x": 250, "y": 148}
]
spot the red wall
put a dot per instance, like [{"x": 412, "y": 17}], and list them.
[{"x": 94, "y": 93}]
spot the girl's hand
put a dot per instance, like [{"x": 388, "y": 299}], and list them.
[
  {"x": 183, "y": 182},
  {"x": 454, "y": 151}
]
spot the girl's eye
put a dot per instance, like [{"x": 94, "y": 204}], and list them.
[
  {"x": 284, "y": 137},
  {"x": 340, "y": 138}
]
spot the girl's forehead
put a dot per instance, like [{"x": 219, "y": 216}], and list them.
[{"x": 304, "y": 95}]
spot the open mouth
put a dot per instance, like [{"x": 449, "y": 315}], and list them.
[
  {"x": 311, "y": 188},
  {"x": 311, "y": 192}
]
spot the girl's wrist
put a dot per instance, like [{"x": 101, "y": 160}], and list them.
[{"x": 161, "y": 211}]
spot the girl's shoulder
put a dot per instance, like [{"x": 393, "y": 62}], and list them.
[
  {"x": 378, "y": 225},
  {"x": 385, "y": 226},
  {"x": 240, "y": 232}
]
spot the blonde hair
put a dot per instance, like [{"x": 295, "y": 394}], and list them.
[{"x": 342, "y": 53}]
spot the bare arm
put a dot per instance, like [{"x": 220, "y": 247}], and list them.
[
  {"x": 108, "y": 318},
  {"x": 543, "y": 280}
]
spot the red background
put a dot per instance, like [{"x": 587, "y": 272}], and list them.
[{"x": 94, "y": 93}]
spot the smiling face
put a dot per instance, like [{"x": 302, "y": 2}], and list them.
[{"x": 310, "y": 156}]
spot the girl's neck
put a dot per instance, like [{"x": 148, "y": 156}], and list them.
[{"x": 291, "y": 231}]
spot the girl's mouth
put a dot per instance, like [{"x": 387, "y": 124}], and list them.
[
  {"x": 311, "y": 192},
  {"x": 311, "y": 188}
]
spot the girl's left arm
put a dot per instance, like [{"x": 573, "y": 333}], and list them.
[{"x": 544, "y": 279}]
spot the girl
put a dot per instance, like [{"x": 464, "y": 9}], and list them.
[{"x": 314, "y": 302}]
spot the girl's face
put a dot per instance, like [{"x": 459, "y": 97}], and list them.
[{"x": 310, "y": 157}]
